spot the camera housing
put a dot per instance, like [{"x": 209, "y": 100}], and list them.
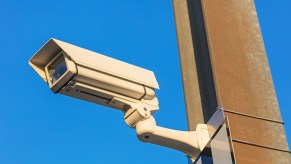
[{"x": 90, "y": 76}]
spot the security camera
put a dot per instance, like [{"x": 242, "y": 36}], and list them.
[{"x": 90, "y": 76}]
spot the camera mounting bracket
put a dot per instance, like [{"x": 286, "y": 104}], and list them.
[{"x": 189, "y": 142}]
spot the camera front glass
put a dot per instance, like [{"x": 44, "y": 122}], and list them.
[{"x": 57, "y": 69}]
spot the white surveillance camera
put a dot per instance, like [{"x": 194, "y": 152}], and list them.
[{"x": 83, "y": 74}]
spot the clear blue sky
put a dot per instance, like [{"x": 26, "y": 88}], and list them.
[{"x": 39, "y": 127}]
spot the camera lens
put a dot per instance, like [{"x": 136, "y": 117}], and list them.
[{"x": 57, "y": 69}]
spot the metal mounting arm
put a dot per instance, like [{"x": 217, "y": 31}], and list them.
[
  {"x": 189, "y": 142},
  {"x": 139, "y": 116}
]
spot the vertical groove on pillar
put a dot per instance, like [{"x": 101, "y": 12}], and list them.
[{"x": 202, "y": 57}]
